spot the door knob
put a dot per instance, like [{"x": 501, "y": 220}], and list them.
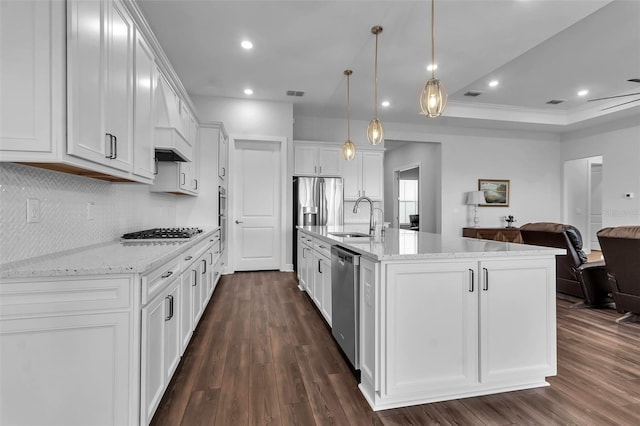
[{"x": 239, "y": 221}]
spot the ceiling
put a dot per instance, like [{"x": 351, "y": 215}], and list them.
[{"x": 538, "y": 50}]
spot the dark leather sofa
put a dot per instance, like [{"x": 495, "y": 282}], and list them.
[
  {"x": 621, "y": 250},
  {"x": 574, "y": 276}
]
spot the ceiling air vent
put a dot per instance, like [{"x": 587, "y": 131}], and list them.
[
  {"x": 473, "y": 93},
  {"x": 555, "y": 101},
  {"x": 295, "y": 93},
  {"x": 634, "y": 80}
]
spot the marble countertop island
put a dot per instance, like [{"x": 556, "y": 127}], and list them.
[{"x": 404, "y": 244}]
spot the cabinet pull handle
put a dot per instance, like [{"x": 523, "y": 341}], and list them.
[
  {"x": 167, "y": 275},
  {"x": 471, "y": 281},
  {"x": 315, "y": 169},
  {"x": 110, "y": 136},
  {"x": 155, "y": 160},
  {"x": 211, "y": 258},
  {"x": 204, "y": 266},
  {"x": 304, "y": 256},
  {"x": 183, "y": 178},
  {"x": 196, "y": 182},
  {"x": 320, "y": 265},
  {"x": 485, "y": 287},
  {"x": 195, "y": 278},
  {"x": 115, "y": 147},
  {"x": 322, "y": 246},
  {"x": 320, "y": 169},
  {"x": 170, "y": 299},
  {"x": 188, "y": 258},
  {"x": 224, "y": 171}
]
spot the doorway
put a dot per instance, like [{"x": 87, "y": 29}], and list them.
[
  {"x": 257, "y": 198},
  {"x": 407, "y": 207},
  {"x": 583, "y": 198}
]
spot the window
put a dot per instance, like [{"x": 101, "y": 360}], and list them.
[{"x": 408, "y": 200}]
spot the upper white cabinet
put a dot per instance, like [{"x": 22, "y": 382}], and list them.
[
  {"x": 31, "y": 79},
  {"x": 143, "y": 117},
  {"x": 364, "y": 176},
  {"x": 316, "y": 160},
  {"x": 100, "y": 82},
  {"x": 223, "y": 155}
]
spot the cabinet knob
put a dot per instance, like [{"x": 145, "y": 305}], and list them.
[{"x": 239, "y": 221}]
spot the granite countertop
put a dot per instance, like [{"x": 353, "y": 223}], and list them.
[
  {"x": 114, "y": 257},
  {"x": 404, "y": 244}
]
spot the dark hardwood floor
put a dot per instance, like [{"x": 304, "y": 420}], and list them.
[{"x": 263, "y": 355}]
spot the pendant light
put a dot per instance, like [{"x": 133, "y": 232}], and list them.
[
  {"x": 375, "y": 132},
  {"x": 348, "y": 149},
  {"x": 433, "y": 98}
]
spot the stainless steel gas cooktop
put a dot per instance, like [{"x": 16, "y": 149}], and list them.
[{"x": 156, "y": 234}]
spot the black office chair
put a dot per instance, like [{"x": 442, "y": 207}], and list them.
[{"x": 414, "y": 222}]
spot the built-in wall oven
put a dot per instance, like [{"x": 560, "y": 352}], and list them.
[{"x": 222, "y": 215}]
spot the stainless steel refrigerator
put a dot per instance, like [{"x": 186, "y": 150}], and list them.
[{"x": 317, "y": 201}]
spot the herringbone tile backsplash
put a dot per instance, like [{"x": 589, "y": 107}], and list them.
[{"x": 63, "y": 225}]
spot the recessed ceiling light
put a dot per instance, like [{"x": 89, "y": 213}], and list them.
[
  {"x": 248, "y": 92},
  {"x": 385, "y": 103},
  {"x": 583, "y": 93},
  {"x": 432, "y": 67},
  {"x": 493, "y": 83},
  {"x": 246, "y": 44}
]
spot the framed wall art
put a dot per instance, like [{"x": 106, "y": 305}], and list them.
[{"x": 496, "y": 192}]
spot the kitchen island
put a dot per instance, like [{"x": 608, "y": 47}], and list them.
[{"x": 448, "y": 318}]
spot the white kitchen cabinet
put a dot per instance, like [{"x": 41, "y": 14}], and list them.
[
  {"x": 65, "y": 340},
  {"x": 186, "y": 308},
  {"x": 143, "y": 119},
  {"x": 161, "y": 346},
  {"x": 100, "y": 82},
  {"x": 314, "y": 272},
  {"x": 169, "y": 113},
  {"x": 316, "y": 160},
  {"x": 498, "y": 331},
  {"x": 31, "y": 80},
  {"x": 516, "y": 314},
  {"x": 306, "y": 264},
  {"x": 324, "y": 276},
  {"x": 223, "y": 155},
  {"x": 429, "y": 353},
  {"x": 364, "y": 176}
]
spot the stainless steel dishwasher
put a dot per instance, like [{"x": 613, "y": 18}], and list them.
[{"x": 345, "y": 289}]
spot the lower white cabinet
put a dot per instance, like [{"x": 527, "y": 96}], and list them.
[
  {"x": 68, "y": 339},
  {"x": 314, "y": 272},
  {"x": 455, "y": 328},
  {"x": 161, "y": 346}
]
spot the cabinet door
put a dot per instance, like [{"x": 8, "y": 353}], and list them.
[
  {"x": 352, "y": 177},
  {"x": 431, "y": 345},
  {"x": 196, "y": 293},
  {"x": 86, "y": 62},
  {"x": 195, "y": 161},
  {"x": 119, "y": 84},
  {"x": 223, "y": 143},
  {"x": 26, "y": 61},
  {"x": 53, "y": 362},
  {"x": 325, "y": 271},
  {"x": 172, "y": 336},
  {"x": 517, "y": 320},
  {"x": 329, "y": 161},
  {"x": 317, "y": 279},
  {"x": 186, "y": 315},
  {"x": 153, "y": 378},
  {"x": 305, "y": 160},
  {"x": 143, "y": 119},
  {"x": 372, "y": 175}
]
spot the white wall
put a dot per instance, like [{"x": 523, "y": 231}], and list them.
[
  {"x": 246, "y": 117},
  {"x": 530, "y": 160},
  {"x": 118, "y": 208},
  {"x": 427, "y": 157},
  {"x": 619, "y": 144}
]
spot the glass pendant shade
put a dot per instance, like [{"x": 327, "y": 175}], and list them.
[
  {"x": 433, "y": 98},
  {"x": 349, "y": 150},
  {"x": 375, "y": 132}
]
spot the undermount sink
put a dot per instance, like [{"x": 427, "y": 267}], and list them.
[{"x": 350, "y": 234}]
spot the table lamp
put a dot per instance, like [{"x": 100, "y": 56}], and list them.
[{"x": 475, "y": 198}]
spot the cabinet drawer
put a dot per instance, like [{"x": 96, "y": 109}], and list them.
[
  {"x": 322, "y": 247},
  {"x": 64, "y": 295},
  {"x": 155, "y": 281}
]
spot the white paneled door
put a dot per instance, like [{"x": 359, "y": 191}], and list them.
[{"x": 257, "y": 205}]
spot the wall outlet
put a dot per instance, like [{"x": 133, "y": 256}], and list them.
[
  {"x": 91, "y": 207},
  {"x": 33, "y": 210}
]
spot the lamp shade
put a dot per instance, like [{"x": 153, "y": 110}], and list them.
[{"x": 475, "y": 198}]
